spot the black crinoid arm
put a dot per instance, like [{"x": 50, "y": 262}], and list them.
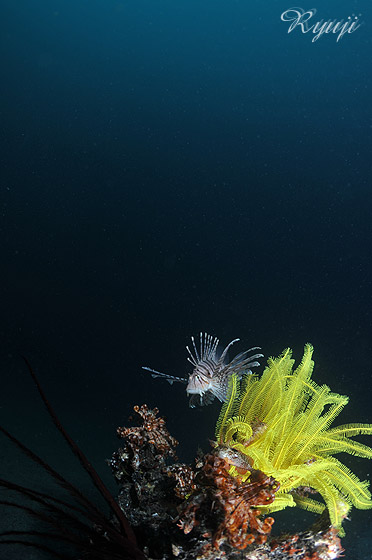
[{"x": 74, "y": 522}]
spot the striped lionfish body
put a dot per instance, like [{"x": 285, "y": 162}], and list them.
[{"x": 212, "y": 370}]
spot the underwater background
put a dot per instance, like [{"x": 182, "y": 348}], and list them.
[{"x": 170, "y": 167}]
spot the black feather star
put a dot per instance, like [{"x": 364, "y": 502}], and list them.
[{"x": 80, "y": 524}]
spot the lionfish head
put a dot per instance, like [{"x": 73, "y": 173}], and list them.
[
  {"x": 198, "y": 383},
  {"x": 205, "y": 363}
]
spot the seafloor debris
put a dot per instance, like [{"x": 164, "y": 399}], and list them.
[{"x": 203, "y": 512}]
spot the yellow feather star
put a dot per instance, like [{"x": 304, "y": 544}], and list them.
[{"x": 281, "y": 423}]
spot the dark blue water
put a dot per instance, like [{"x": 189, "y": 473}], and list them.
[{"x": 170, "y": 167}]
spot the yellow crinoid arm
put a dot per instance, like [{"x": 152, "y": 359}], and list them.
[
  {"x": 228, "y": 408},
  {"x": 295, "y": 399},
  {"x": 306, "y": 435},
  {"x": 237, "y": 430},
  {"x": 304, "y": 502},
  {"x": 281, "y": 502},
  {"x": 262, "y": 398},
  {"x": 348, "y": 484},
  {"x": 327, "y": 445}
]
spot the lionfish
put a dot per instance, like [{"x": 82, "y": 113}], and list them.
[{"x": 212, "y": 370}]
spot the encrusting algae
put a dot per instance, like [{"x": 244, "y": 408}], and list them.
[{"x": 280, "y": 423}]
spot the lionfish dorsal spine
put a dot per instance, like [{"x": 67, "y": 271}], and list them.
[
  {"x": 212, "y": 347},
  {"x": 224, "y": 353},
  {"x": 242, "y": 357},
  {"x": 192, "y": 359},
  {"x": 207, "y": 351}
]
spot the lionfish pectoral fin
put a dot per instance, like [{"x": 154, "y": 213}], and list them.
[
  {"x": 207, "y": 398},
  {"x": 220, "y": 392},
  {"x": 253, "y": 364},
  {"x": 195, "y": 400},
  {"x": 170, "y": 378},
  {"x": 201, "y": 399}
]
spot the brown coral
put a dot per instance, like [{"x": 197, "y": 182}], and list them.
[
  {"x": 184, "y": 476},
  {"x": 242, "y": 523},
  {"x": 152, "y": 431}
]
